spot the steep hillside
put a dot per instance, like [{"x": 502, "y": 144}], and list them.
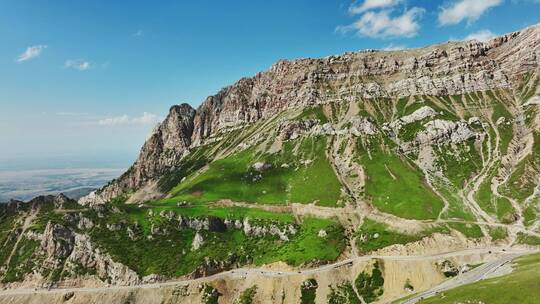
[{"x": 312, "y": 162}]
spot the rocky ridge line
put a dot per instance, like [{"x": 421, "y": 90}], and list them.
[{"x": 447, "y": 69}]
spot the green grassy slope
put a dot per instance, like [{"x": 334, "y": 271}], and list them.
[
  {"x": 521, "y": 286},
  {"x": 371, "y": 236},
  {"x": 234, "y": 178},
  {"x": 395, "y": 185},
  {"x": 161, "y": 253}
]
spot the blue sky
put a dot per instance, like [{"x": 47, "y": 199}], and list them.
[{"x": 83, "y": 82}]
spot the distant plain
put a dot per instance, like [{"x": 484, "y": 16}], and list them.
[{"x": 74, "y": 182}]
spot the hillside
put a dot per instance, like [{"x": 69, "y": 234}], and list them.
[
  {"x": 525, "y": 277},
  {"x": 316, "y": 161}
]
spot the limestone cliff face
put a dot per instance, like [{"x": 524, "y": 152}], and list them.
[
  {"x": 59, "y": 243},
  {"x": 447, "y": 69},
  {"x": 167, "y": 143}
]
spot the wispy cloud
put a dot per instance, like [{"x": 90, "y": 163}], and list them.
[
  {"x": 482, "y": 35},
  {"x": 31, "y": 52},
  {"x": 384, "y": 25},
  {"x": 358, "y": 8},
  {"x": 469, "y": 10},
  {"x": 71, "y": 114},
  {"x": 145, "y": 119},
  {"x": 138, "y": 34},
  {"x": 394, "y": 47},
  {"x": 78, "y": 64}
]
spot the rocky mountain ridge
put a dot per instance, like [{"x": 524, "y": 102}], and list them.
[{"x": 448, "y": 69}]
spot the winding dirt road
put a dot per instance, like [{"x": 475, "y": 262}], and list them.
[
  {"x": 470, "y": 277},
  {"x": 241, "y": 273}
]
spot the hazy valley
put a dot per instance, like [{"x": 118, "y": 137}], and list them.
[{"x": 27, "y": 184}]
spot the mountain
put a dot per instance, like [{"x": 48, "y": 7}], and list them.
[
  {"x": 452, "y": 69},
  {"x": 430, "y": 156}
]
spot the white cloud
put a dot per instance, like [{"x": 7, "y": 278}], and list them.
[
  {"x": 115, "y": 121},
  {"x": 482, "y": 35},
  {"x": 372, "y": 4},
  {"x": 31, "y": 52},
  {"x": 78, "y": 64},
  {"x": 145, "y": 119},
  {"x": 469, "y": 10},
  {"x": 383, "y": 25},
  {"x": 394, "y": 47}
]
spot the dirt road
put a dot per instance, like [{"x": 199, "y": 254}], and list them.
[
  {"x": 472, "y": 276},
  {"x": 241, "y": 273}
]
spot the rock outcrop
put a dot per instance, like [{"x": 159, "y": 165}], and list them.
[
  {"x": 438, "y": 132},
  {"x": 362, "y": 126},
  {"x": 198, "y": 241},
  {"x": 293, "y": 129},
  {"x": 444, "y": 131},
  {"x": 57, "y": 201},
  {"x": 59, "y": 244},
  {"x": 86, "y": 254},
  {"x": 57, "y": 241},
  {"x": 214, "y": 224},
  {"x": 418, "y": 115}
]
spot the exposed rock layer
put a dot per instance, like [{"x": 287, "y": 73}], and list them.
[{"x": 447, "y": 69}]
